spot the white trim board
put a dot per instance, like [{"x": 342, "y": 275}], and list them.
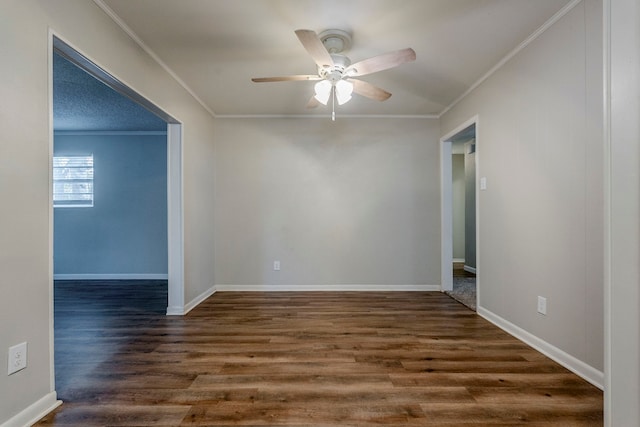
[
  {"x": 469, "y": 269},
  {"x": 175, "y": 217},
  {"x": 34, "y": 412},
  {"x": 446, "y": 204},
  {"x": 181, "y": 311},
  {"x": 265, "y": 287},
  {"x": 110, "y": 132},
  {"x": 110, "y": 276},
  {"x": 573, "y": 364}
]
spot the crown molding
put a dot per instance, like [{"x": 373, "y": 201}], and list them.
[
  {"x": 326, "y": 116},
  {"x": 106, "y": 9},
  {"x": 555, "y": 18}
]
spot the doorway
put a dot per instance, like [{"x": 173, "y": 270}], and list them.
[
  {"x": 459, "y": 214},
  {"x": 132, "y": 166},
  {"x": 175, "y": 253}
]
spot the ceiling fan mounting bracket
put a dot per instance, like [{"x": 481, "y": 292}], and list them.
[{"x": 335, "y": 41}]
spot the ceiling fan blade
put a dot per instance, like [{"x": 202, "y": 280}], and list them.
[
  {"x": 381, "y": 62},
  {"x": 313, "y": 102},
  {"x": 302, "y": 77},
  {"x": 314, "y": 46},
  {"x": 370, "y": 91}
]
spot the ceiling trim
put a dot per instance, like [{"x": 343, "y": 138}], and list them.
[
  {"x": 106, "y": 9},
  {"x": 325, "y": 116},
  {"x": 110, "y": 132},
  {"x": 555, "y": 18}
]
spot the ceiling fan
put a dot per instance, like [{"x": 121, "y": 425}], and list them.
[{"x": 336, "y": 72}]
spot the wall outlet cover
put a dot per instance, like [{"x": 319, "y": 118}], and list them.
[{"x": 17, "y": 358}]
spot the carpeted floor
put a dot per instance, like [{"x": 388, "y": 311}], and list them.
[{"x": 464, "y": 291}]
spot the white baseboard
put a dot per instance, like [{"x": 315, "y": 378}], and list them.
[
  {"x": 34, "y": 412},
  {"x": 327, "y": 287},
  {"x": 175, "y": 311},
  {"x": 181, "y": 311},
  {"x": 576, "y": 366},
  {"x": 458, "y": 260},
  {"x": 470, "y": 269},
  {"x": 110, "y": 276}
]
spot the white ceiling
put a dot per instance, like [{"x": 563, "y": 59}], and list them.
[{"x": 217, "y": 46}]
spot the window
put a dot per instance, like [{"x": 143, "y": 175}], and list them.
[{"x": 73, "y": 181}]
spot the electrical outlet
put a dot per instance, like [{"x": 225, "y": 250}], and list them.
[
  {"x": 542, "y": 305},
  {"x": 17, "y": 358},
  {"x": 276, "y": 265}
]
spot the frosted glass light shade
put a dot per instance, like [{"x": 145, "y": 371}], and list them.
[
  {"x": 344, "y": 89},
  {"x": 323, "y": 91}
]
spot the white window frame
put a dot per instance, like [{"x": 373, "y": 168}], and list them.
[{"x": 74, "y": 176}]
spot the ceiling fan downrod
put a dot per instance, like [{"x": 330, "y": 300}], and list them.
[{"x": 333, "y": 104}]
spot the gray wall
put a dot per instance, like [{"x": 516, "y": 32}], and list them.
[
  {"x": 540, "y": 220},
  {"x": 458, "y": 206},
  {"x": 469, "y": 206},
  {"x": 125, "y": 232},
  {"x": 26, "y": 246},
  {"x": 541, "y": 113},
  {"x": 351, "y": 203}
]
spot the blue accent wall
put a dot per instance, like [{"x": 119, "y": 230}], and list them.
[{"x": 125, "y": 232}]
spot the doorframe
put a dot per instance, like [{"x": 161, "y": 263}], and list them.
[
  {"x": 175, "y": 221},
  {"x": 175, "y": 205},
  {"x": 446, "y": 203}
]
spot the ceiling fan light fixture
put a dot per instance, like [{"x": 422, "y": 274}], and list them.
[
  {"x": 344, "y": 89},
  {"x": 323, "y": 91},
  {"x": 335, "y": 73}
]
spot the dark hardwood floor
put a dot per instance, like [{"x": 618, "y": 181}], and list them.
[{"x": 300, "y": 359}]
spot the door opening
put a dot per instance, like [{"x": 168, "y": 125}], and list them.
[
  {"x": 459, "y": 214},
  {"x": 168, "y": 156},
  {"x": 175, "y": 261}
]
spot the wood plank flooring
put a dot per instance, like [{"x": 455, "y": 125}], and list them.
[{"x": 300, "y": 359}]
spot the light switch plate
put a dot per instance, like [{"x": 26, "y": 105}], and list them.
[
  {"x": 542, "y": 305},
  {"x": 483, "y": 183}
]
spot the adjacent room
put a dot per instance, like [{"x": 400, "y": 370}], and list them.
[
  {"x": 110, "y": 216},
  {"x": 463, "y": 217},
  {"x": 340, "y": 213}
]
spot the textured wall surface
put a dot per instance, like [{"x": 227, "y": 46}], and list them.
[
  {"x": 81, "y": 102},
  {"x": 458, "y": 191},
  {"x": 539, "y": 144},
  {"x": 125, "y": 232},
  {"x": 351, "y": 202},
  {"x": 26, "y": 227}
]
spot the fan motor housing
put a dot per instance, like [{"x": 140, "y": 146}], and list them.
[{"x": 335, "y": 73}]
